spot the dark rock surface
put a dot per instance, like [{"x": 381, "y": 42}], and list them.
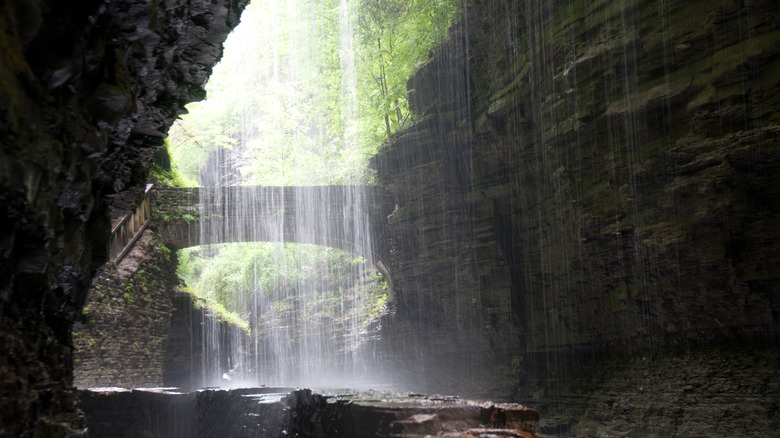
[
  {"x": 277, "y": 412},
  {"x": 592, "y": 183},
  {"x": 87, "y": 93},
  {"x": 723, "y": 390}
]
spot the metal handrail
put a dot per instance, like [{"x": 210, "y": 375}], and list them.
[{"x": 127, "y": 231}]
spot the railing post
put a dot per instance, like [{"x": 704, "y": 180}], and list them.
[{"x": 127, "y": 231}]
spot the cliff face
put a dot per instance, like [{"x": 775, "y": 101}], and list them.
[
  {"x": 591, "y": 183},
  {"x": 88, "y": 90}
]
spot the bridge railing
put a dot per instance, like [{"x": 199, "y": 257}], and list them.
[{"x": 127, "y": 231}]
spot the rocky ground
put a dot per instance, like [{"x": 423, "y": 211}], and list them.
[{"x": 276, "y": 412}]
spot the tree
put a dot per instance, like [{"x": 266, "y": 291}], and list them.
[{"x": 395, "y": 36}]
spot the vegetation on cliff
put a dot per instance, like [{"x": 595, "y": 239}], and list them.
[
  {"x": 281, "y": 283},
  {"x": 307, "y": 91},
  {"x": 165, "y": 172}
]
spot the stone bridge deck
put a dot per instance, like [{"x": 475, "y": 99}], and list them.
[{"x": 351, "y": 218}]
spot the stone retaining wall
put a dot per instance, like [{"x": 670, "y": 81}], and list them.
[
  {"x": 123, "y": 335},
  {"x": 139, "y": 329}
]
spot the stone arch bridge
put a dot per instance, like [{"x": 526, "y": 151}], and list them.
[{"x": 345, "y": 217}]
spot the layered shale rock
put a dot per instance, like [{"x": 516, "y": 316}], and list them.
[
  {"x": 89, "y": 90},
  {"x": 275, "y": 412},
  {"x": 589, "y": 183}
]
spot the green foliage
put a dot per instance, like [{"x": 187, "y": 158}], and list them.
[
  {"x": 228, "y": 273},
  {"x": 395, "y": 37},
  {"x": 164, "y": 215},
  {"x": 165, "y": 250},
  {"x": 379, "y": 309},
  {"x": 168, "y": 216},
  {"x": 328, "y": 85},
  {"x": 310, "y": 279},
  {"x": 218, "y": 309},
  {"x": 169, "y": 178}
]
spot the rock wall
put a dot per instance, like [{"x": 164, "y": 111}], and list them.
[
  {"x": 725, "y": 389},
  {"x": 123, "y": 334},
  {"x": 590, "y": 183},
  {"x": 88, "y": 90}
]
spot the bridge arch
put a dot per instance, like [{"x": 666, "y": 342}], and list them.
[{"x": 351, "y": 218}]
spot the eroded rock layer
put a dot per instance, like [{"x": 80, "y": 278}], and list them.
[
  {"x": 276, "y": 412},
  {"x": 591, "y": 183},
  {"x": 88, "y": 90}
]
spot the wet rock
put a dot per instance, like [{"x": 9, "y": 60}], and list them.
[
  {"x": 76, "y": 78},
  {"x": 584, "y": 188},
  {"x": 109, "y": 103},
  {"x": 420, "y": 424},
  {"x": 275, "y": 412}
]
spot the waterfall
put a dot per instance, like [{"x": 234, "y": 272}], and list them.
[
  {"x": 309, "y": 307},
  {"x": 302, "y": 275}
]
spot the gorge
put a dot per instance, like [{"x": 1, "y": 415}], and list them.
[{"x": 585, "y": 213}]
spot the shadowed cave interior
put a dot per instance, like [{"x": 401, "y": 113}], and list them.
[{"x": 582, "y": 219}]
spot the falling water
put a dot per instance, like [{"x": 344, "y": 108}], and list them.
[{"x": 315, "y": 294}]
